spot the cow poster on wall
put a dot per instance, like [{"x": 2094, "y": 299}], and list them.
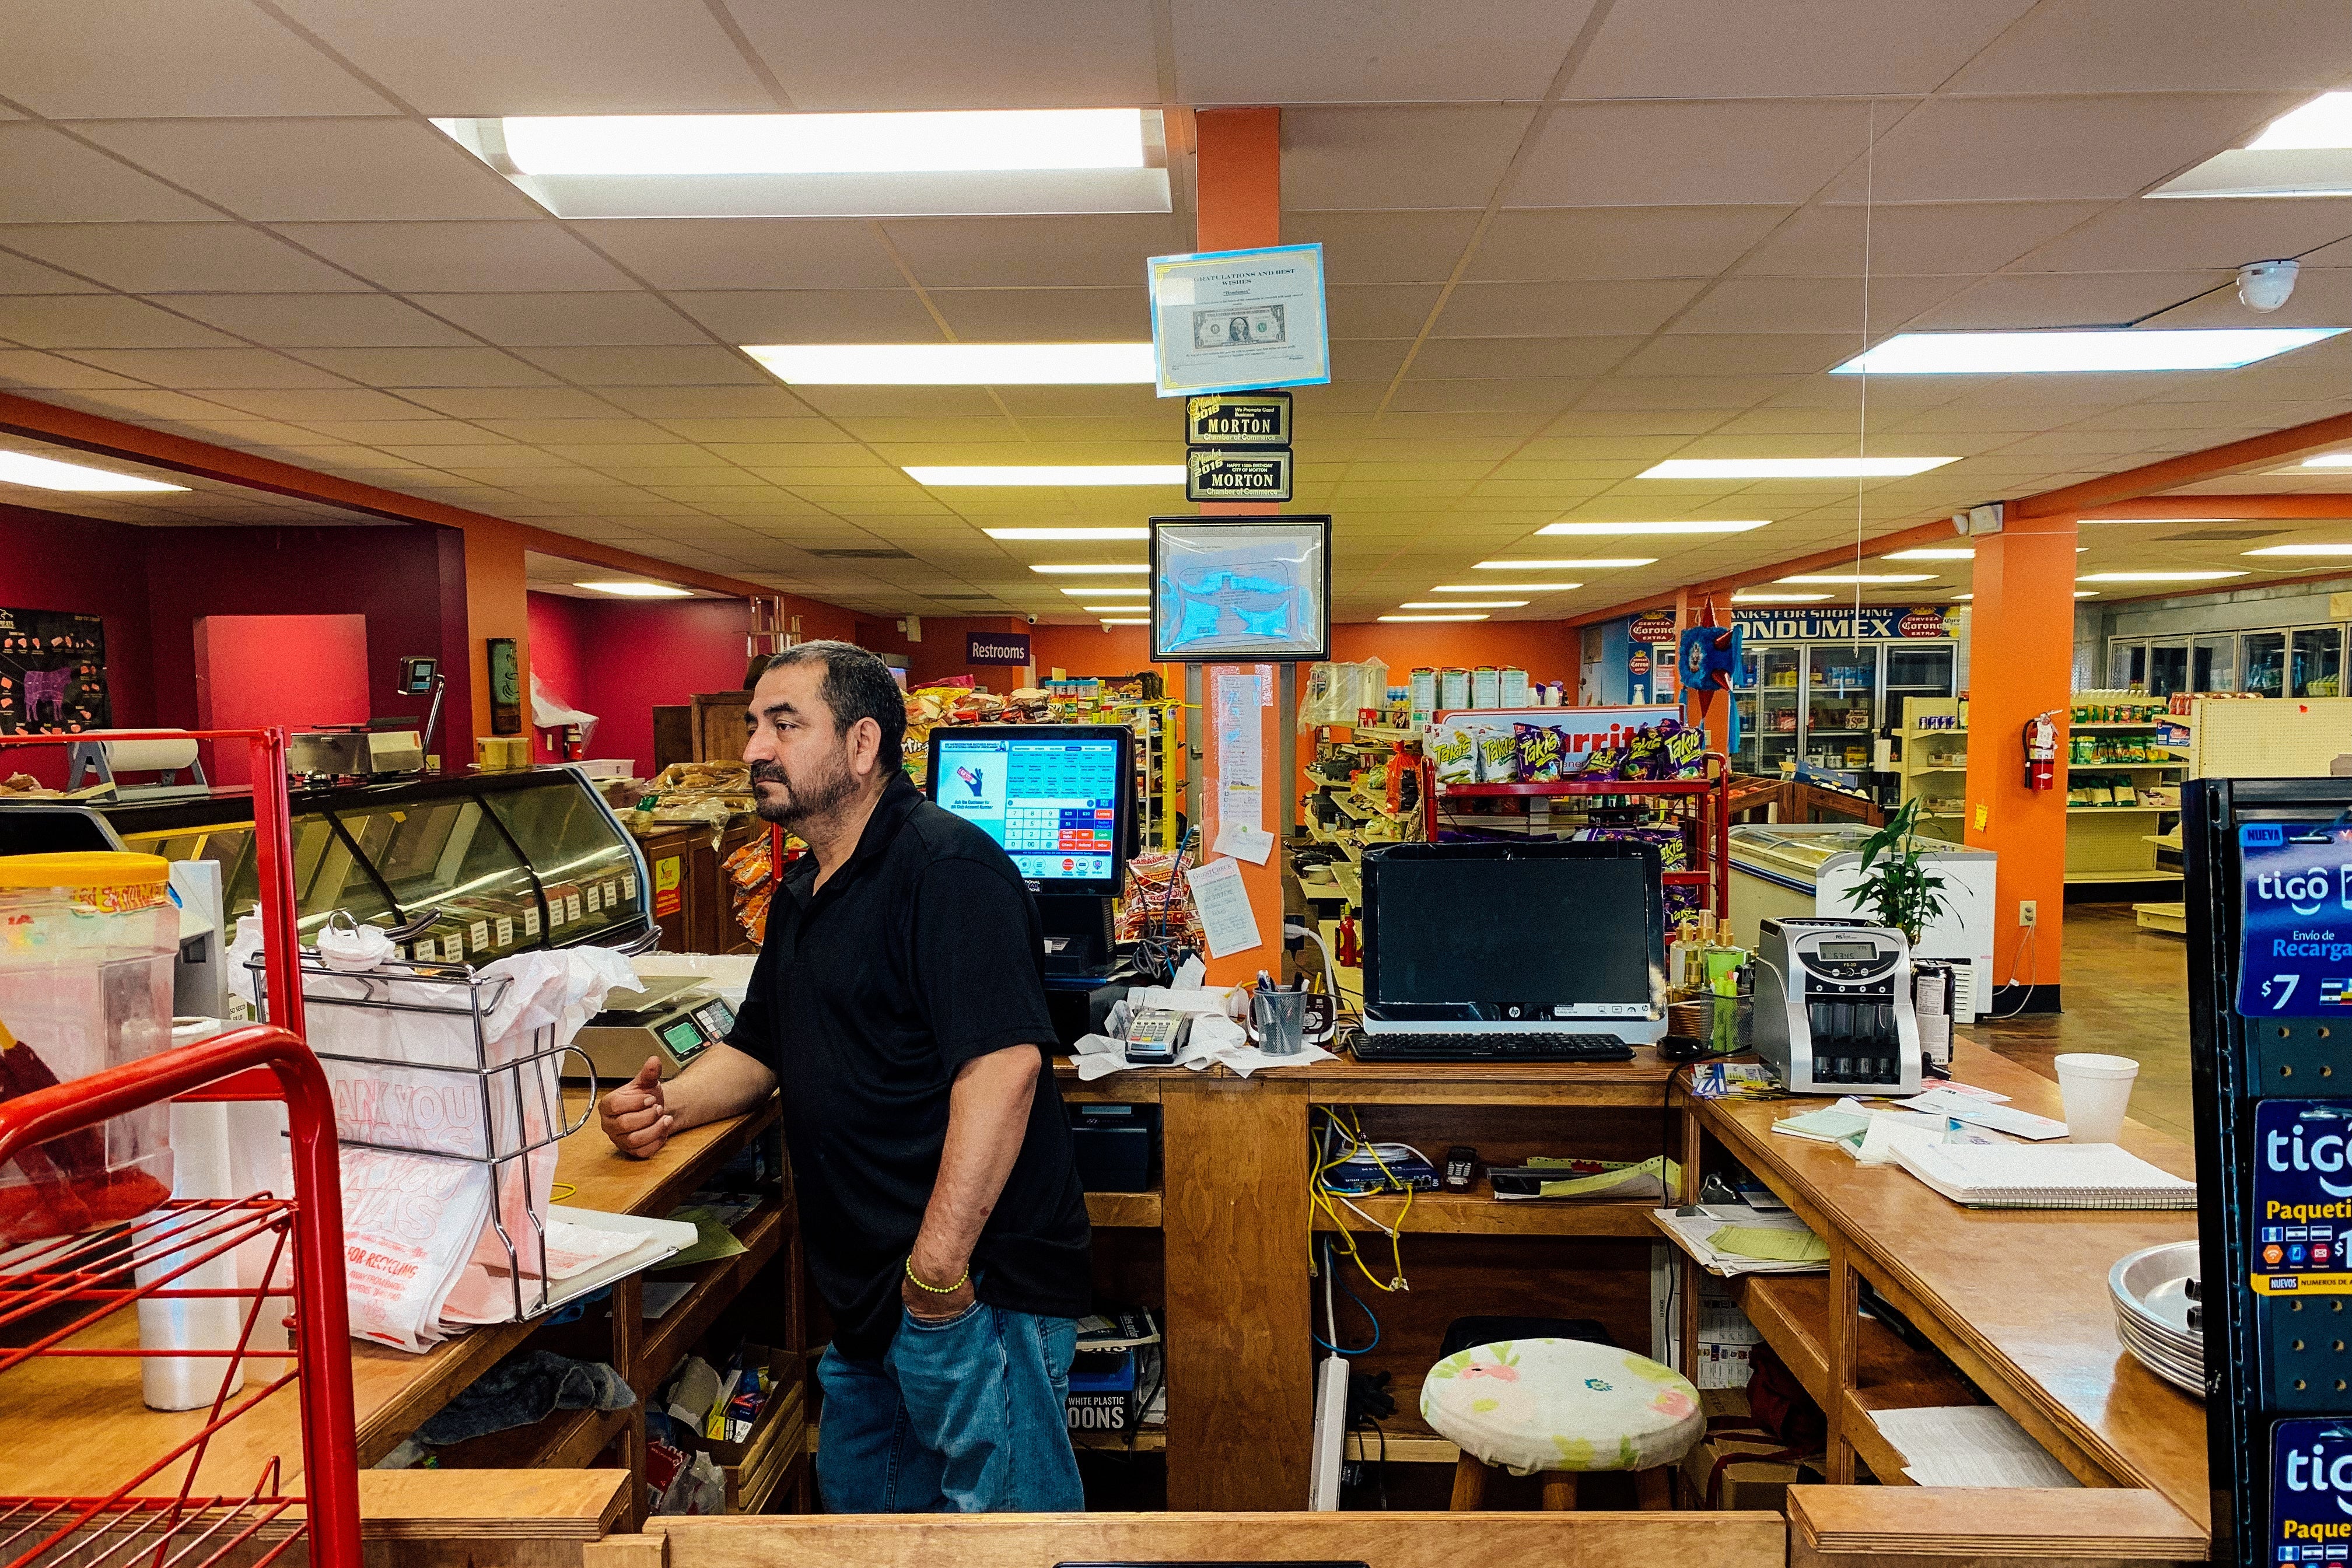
[{"x": 52, "y": 673}]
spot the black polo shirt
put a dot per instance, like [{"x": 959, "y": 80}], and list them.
[{"x": 918, "y": 955}]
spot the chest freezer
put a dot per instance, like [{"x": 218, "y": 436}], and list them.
[{"x": 1787, "y": 870}]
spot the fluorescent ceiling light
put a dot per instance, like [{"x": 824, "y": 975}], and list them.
[
  {"x": 1433, "y": 618},
  {"x": 1125, "y": 621},
  {"x": 956, "y": 364},
  {"x": 1778, "y": 598},
  {"x": 629, "y": 590},
  {"x": 1598, "y": 563},
  {"x": 2086, "y": 593},
  {"x": 1504, "y": 587},
  {"x": 1962, "y": 553},
  {"x": 1964, "y": 596},
  {"x": 1604, "y": 530},
  {"x": 1792, "y": 468},
  {"x": 1109, "y": 609},
  {"x": 1853, "y": 578},
  {"x": 1067, "y": 533},
  {"x": 1107, "y": 474},
  {"x": 2324, "y": 460},
  {"x": 1465, "y": 605},
  {"x": 2157, "y": 577},
  {"x": 1076, "y": 568},
  {"x": 2301, "y": 550},
  {"x": 2325, "y": 121},
  {"x": 891, "y": 144},
  {"x": 2103, "y": 349},
  {"x": 49, "y": 474},
  {"x": 1105, "y": 592},
  {"x": 893, "y": 164}
]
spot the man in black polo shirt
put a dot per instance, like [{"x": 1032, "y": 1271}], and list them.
[{"x": 899, "y": 1003}]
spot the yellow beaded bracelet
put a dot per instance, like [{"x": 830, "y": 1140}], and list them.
[{"x": 938, "y": 1290}]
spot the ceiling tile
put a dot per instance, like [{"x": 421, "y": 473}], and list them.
[
  {"x": 1910, "y": 240},
  {"x": 538, "y": 255},
  {"x": 813, "y": 315},
  {"x": 2136, "y": 235},
  {"x": 584, "y": 56},
  {"x": 1560, "y": 309},
  {"x": 2158, "y": 46},
  {"x": 572, "y": 319},
  {"x": 957, "y": 53},
  {"x": 19, "y": 275},
  {"x": 102, "y": 320},
  {"x": 1991, "y": 149},
  {"x": 1767, "y": 353},
  {"x": 1383, "y": 247},
  {"x": 748, "y": 253},
  {"x": 1830, "y": 305},
  {"x": 1474, "y": 51},
  {"x": 149, "y": 258},
  {"x": 304, "y": 407},
  {"x": 284, "y": 170},
  {"x": 1070, "y": 250},
  {"x": 602, "y": 367},
  {"x": 2020, "y": 300},
  {"x": 47, "y": 177},
  {"x": 511, "y": 402},
  {"x": 1513, "y": 358},
  {"x": 202, "y": 368},
  {"x": 1567, "y": 244},
  {"x": 425, "y": 367},
  {"x": 39, "y": 371},
  {"x": 1372, "y": 159},
  {"x": 1686, "y": 154},
  {"x": 1691, "y": 49},
  {"x": 165, "y": 58},
  {"x": 682, "y": 401},
  {"x": 319, "y": 320}
]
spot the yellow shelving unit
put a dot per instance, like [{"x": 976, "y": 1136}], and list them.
[
  {"x": 2113, "y": 843},
  {"x": 1935, "y": 764}
]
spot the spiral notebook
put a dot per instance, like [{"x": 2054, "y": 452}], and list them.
[{"x": 2047, "y": 1177}]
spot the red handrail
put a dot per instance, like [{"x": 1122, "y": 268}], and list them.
[{"x": 321, "y": 1318}]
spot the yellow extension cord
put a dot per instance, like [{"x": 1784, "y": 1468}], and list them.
[{"x": 1352, "y": 1128}]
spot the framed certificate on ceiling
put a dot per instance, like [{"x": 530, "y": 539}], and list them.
[
  {"x": 1241, "y": 588},
  {"x": 1239, "y": 321}
]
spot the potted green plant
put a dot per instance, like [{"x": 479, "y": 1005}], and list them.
[{"x": 1894, "y": 888}]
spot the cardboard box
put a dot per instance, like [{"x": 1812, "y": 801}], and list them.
[
  {"x": 1745, "y": 1483},
  {"x": 754, "y": 1466}
]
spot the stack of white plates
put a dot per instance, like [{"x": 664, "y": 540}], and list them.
[{"x": 2151, "y": 1291}]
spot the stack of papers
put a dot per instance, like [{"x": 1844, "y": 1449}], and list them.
[
  {"x": 1977, "y": 1108},
  {"x": 1731, "y": 1239},
  {"x": 1968, "y": 1446},
  {"x": 1861, "y": 1130},
  {"x": 2060, "y": 1176},
  {"x": 1652, "y": 1179}
]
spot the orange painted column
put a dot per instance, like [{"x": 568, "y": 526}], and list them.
[
  {"x": 1240, "y": 207},
  {"x": 2020, "y": 664},
  {"x": 1715, "y": 714}
]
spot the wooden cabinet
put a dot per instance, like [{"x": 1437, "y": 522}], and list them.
[{"x": 693, "y": 897}]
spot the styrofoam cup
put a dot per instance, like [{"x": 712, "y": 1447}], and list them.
[{"x": 2095, "y": 1090}]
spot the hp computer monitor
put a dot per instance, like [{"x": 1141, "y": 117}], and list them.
[
  {"x": 1060, "y": 798},
  {"x": 1537, "y": 933}
]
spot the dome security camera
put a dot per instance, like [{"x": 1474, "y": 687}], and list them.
[{"x": 2265, "y": 286}]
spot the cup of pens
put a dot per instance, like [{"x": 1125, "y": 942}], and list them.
[{"x": 1277, "y": 1019}]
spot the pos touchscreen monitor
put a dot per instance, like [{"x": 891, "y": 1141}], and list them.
[{"x": 1060, "y": 798}]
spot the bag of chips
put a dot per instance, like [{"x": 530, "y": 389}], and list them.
[
  {"x": 1685, "y": 751},
  {"x": 1539, "y": 749},
  {"x": 1498, "y": 758},
  {"x": 1455, "y": 752},
  {"x": 1642, "y": 755},
  {"x": 1601, "y": 762}
]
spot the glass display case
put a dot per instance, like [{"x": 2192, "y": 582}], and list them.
[
  {"x": 1770, "y": 718},
  {"x": 498, "y": 862},
  {"x": 2315, "y": 662},
  {"x": 1915, "y": 671},
  {"x": 2264, "y": 657},
  {"x": 1841, "y": 705},
  {"x": 1820, "y": 703}
]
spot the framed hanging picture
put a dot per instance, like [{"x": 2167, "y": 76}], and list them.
[
  {"x": 1241, "y": 588},
  {"x": 506, "y": 687}
]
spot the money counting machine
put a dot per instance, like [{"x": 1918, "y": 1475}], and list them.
[{"x": 1833, "y": 1010}]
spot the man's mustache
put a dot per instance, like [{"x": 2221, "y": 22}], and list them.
[{"x": 770, "y": 772}]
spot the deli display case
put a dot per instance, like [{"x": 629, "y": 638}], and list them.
[
  {"x": 1779, "y": 869},
  {"x": 478, "y": 866}
]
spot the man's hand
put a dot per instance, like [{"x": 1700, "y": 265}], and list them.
[
  {"x": 930, "y": 1305},
  {"x": 636, "y": 1116}
]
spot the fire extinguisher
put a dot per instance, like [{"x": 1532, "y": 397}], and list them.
[{"x": 2040, "y": 752}]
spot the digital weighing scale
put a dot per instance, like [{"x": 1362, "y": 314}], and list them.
[{"x": 675, "y": 1017}]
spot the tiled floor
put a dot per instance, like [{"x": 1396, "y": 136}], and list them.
[{"x": 2126, "y": 991}]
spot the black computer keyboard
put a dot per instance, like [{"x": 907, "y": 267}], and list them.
[{"x": 1485, "y": 1048}]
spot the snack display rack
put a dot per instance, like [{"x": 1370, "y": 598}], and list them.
[
  {"x": 57, "y": 1296},
  {"x": 1701, "y": 807}
]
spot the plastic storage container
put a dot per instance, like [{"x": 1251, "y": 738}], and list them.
[{"x": 86, "y": 942}]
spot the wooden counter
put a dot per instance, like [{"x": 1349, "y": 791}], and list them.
[
  {"x": 2016, "y": 1300},
  {"x": 77, "y": 1427}
]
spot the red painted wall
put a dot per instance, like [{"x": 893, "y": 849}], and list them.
[
  {"x": 939, "y": 655},
  {"x": 302, "y": 672},
  {"x": 621, "y": 659},
  {"x": 52, "y": 561}
]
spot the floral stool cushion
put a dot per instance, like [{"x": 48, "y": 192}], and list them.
[{"x": 1561, "y": 1404}]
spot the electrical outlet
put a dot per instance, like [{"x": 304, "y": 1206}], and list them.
[{"x": 2027, "y": 910}]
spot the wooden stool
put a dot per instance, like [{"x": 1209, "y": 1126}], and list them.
[{"x": 1561, "y": 1407}]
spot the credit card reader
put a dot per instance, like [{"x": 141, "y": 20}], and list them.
[
  {"x": 1155, "y": 1035},
  {"x": 676, "y": 1018}
]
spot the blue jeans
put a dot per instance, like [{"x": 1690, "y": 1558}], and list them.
[{"x": 961, "y": 1416}]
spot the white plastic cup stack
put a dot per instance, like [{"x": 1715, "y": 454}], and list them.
[{"x": 2095, "y": 1089}]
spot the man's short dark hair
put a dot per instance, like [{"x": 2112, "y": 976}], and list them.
[{"x": 857, "y": 685}]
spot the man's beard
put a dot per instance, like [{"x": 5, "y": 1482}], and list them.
[{"x": 805, "y": 798}]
